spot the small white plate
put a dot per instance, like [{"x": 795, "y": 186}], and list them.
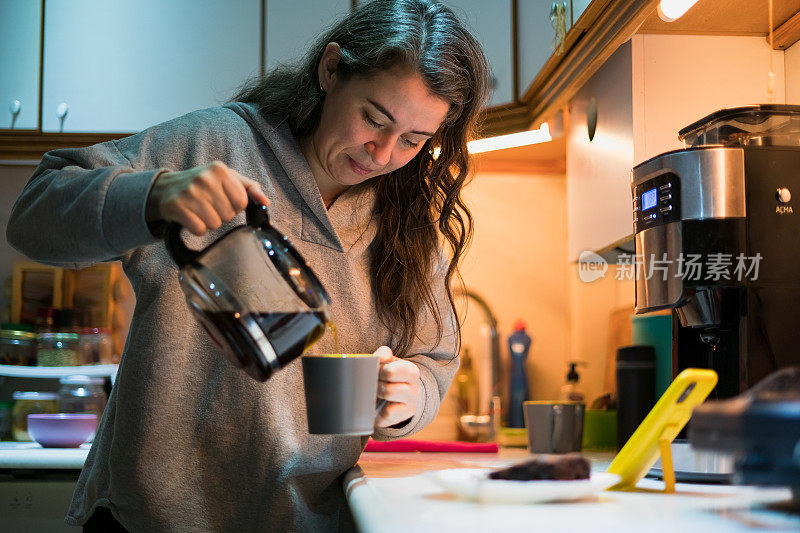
[{"x": 474, "y": 484}]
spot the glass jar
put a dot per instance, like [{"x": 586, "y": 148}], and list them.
[
  {"x": 17, "y": 347},
  {"x": 94, "y": 346},
  {"x": 57, "y": 349},
  {"x": 6, "y": 410},
  {"x": 82, "y": 394},
  {"x": 30, "y": 403}
]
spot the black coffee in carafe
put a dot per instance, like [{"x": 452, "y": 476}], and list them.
[
  {"x": 245, "y": 289},
  {"x": 291, "y": 333},
  {"x": 288, "y": 334}
]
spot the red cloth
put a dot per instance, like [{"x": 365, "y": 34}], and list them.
[{"x": 410, "y": 445}]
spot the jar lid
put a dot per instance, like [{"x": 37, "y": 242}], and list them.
[
  {"x": 80, "y": 379},
  {"x": 59, "y": 336},
  {"x": 25, "y": 395},
  {"x": 17, "y": 335}
]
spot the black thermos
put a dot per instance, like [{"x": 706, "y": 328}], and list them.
[{"x": 636, "y": 388}]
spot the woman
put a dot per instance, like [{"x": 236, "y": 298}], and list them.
[{"x": 341, "y": 148}]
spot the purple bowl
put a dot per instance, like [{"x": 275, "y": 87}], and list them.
[{"x": 62, "y": 430}]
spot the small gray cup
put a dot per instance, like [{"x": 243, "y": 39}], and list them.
[
  {"x": 341, "y": 392},
  {"x": 554, "y": 427}
]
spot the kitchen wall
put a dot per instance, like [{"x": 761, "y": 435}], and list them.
[
  {"x": 517, "y": 262},
  {"x": 678, "y": 79}
]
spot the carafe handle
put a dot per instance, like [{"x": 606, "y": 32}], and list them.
[
  {"x": 255, "y": 213},
  {"x": 175, "y": 246}
]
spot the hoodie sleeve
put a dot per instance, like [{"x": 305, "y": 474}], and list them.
[
  {"x": 82, "y": 206},
  {"x": 86, "y": 205},
  {"x": 437, "y": 362}
]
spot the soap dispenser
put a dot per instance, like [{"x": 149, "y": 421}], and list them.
[
  {"x": 571, "y": 392},
  {"x": 518, "y": 345}
]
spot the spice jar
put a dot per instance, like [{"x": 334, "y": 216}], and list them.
[
  {"x": 94, "y": 346},
  {"x": 82, "y": 394},
  {"x": 57, "y": 349},
  {"x": 17, "y": 347},
  {"x": 30, "y": 403}
]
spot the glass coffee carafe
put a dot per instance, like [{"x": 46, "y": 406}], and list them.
[{"x": 253, "y": 293}]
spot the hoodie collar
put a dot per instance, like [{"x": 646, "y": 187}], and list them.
[{"x": 279, "y": 137}]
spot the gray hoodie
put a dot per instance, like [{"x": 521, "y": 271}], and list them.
[{"x": 188, "y": 442}]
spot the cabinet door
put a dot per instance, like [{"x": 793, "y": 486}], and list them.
[
  {"x": 578, "y": 7},
  {"x": 20, "y": 25},
  {"x": 535, "y": 37},
  {"x": 293, "y": 25},
  {"x": 122, "y": 66},
  {"x": 600, "y": 158},
  {"x": 490, "y": 24}
]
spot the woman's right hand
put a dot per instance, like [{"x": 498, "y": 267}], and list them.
[{"x": 201, "y": 198}]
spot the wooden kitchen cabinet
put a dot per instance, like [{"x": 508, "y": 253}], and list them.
[
  {"x": 20, "y": 32},
  {"x": 97, "y": 291},
  {"x": 122, "y": 66},
  {"x": 293, "y": 25},
  {"x": 491, "y": 24}
]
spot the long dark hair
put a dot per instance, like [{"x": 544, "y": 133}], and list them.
[{"x": 422, "y": 200}]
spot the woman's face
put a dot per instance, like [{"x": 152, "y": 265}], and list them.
[{"x": 371, "y": 126}]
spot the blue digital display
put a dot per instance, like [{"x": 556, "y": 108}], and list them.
[{"x": 649, "y": 199}]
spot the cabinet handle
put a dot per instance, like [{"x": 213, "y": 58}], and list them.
[
  {"x": 61, "y": 112},
  {"x": 15, "y": 109}
]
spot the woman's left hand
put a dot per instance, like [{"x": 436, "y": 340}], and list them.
[{"x": 399, "y": 385}]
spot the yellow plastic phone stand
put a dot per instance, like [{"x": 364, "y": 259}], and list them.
[{"x": 655, "y": 434}]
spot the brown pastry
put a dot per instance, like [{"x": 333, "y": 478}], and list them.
[{"x": 561, "y": 467}]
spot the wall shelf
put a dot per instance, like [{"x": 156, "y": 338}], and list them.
[{"x": 58, "y": 371}]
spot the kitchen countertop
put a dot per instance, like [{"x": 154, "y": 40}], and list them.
[{"x": 393, "y": 492}]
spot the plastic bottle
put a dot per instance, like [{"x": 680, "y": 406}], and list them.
[
  {"x": 519, "y": 344},
  {"x": 571, "y": 392}
]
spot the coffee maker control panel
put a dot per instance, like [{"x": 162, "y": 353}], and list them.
[{"x": 656, "y": 202}]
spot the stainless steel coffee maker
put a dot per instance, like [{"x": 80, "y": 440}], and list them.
[{"x": 718, "y": 241}]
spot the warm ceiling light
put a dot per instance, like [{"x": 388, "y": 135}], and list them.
[
  {"x": 512, "y": 140},
  {"x": 672, "y": 10}
]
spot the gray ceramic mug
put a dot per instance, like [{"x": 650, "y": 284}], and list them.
[
  {"x": 341, "y": 393},
  {"x": 554, "y": 427}
]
